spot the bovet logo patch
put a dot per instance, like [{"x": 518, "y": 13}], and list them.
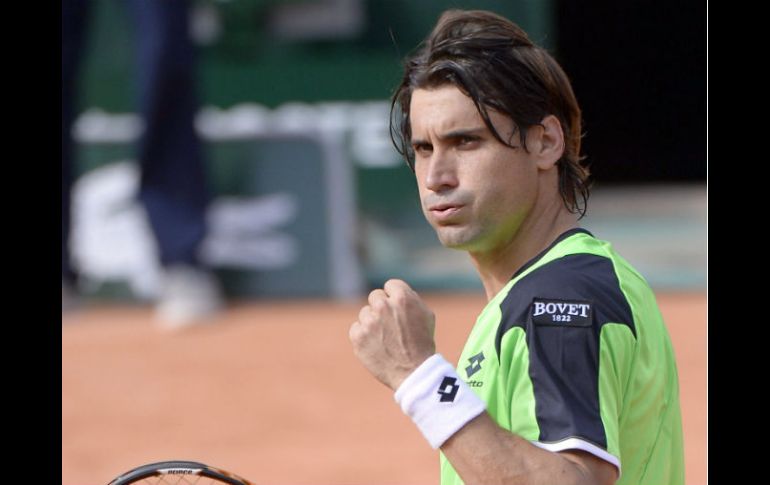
[{"x": 570, "y": 313}]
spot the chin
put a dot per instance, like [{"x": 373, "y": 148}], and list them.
[{"x": 456, "y": 238}]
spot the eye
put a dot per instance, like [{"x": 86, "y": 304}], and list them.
[
  {"x": 422, "y": 149},
  {"x": 467, "y": 141}
]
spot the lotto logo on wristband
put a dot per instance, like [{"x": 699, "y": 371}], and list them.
[{"x": 448, "y": 389}]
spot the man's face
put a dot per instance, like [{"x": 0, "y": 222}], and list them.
[{"x": 474, "y": 190}]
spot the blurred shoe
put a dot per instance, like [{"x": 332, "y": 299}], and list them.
[{"x": 189, "y": 296}]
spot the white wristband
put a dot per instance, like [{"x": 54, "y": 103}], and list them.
[{"x": 438, "y": 400}]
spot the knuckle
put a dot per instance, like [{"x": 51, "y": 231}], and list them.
[
  {"x": 394, "y": 284},
  {"x": 376, "y": 296},
  {"x": 354, "y": 333},
  {"x": 378, "y": 306},
  {"x": 363, "y": 313},
  {"x": 358, "y": 333},
  {"x": 400, "y": 299},
  {"x": 403, "y": 298}
]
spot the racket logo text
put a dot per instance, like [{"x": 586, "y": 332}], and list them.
[{"x": 180, "y": 471}]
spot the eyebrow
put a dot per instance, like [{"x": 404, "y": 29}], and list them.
[{"x": 453, "y": 134}]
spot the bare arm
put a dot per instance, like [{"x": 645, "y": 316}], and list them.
[
  {"x": 394, "y": 335},
  {"x": 483, "y": 452}
]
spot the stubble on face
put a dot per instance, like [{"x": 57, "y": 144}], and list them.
[{"x": 476, "y": 191}]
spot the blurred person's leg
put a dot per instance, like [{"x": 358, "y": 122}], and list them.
[
  {"x": 174, "y": 188},
  {"x": 173, "y": 183},
  {"x": 74, "y": 22}
]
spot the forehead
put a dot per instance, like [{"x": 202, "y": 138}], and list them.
[
  {"x": 442, "y": 109},
  {"x": 446, "y": 109}
]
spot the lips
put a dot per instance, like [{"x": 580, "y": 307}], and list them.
[{"x": 445, "y": 212}]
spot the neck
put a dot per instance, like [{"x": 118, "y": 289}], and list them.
[{"x": 536, "y": 233}]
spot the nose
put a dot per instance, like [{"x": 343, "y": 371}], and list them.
[{"x": 441, "y": 173}]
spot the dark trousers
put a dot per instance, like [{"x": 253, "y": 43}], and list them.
[{"x": 173, "y": 183}]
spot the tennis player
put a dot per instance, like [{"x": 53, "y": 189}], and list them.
[{"x": 568, "y": 376}]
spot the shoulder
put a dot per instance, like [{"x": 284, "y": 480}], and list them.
[{"x": 580, "y": 289}]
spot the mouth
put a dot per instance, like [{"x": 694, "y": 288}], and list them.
[{"x": 444, "y": 212}]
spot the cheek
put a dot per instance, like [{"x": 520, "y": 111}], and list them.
[
  {"x": 507, "y": 191},
  {"x": 421, "y": 190},
  {"x": 419, "y": 177}
]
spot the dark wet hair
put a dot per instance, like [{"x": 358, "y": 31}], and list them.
[{"x": 492, "y": 60}]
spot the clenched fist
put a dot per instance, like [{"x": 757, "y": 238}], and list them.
[{"x": 394, "y": 333}]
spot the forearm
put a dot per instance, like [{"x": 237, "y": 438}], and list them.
[
  {"x": 393, "y": 338},
  {"x": 484, "y": 453}
]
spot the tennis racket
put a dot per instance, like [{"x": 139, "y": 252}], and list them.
[{"x": 178, "y": 473}]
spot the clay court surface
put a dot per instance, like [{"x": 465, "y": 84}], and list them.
[{"x": 271, "y": 391}]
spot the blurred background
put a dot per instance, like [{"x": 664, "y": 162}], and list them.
[
  {"x": 310, "y": 198},
  {"x": 311, "y": 207}
]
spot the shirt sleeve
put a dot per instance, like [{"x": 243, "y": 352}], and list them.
[{"x": 570, "y": 358}]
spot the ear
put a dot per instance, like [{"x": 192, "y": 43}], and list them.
[{"x": 549, "y": 142}]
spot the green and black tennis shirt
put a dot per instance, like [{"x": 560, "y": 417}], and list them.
[{"x": 573, "y": 354}]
